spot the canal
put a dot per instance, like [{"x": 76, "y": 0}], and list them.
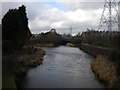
[{"x": 63, "y": 67}]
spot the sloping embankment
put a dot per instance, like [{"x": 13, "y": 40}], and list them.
[
  {"x": 105, "y": 70},
  {"x": 15, "y": 69},
  {"x": 95, "y": 50},
  {"x": 105, "y": 65}
]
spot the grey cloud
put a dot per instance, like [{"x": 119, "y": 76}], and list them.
[
  {"x": 35, "y": 9},
  {"x": 0, "y": 11},
  {"x": 43, "y": 17},
  {"x": 81, "y": 0},
  {"x": 40, "y": 30},
  {"x": 54, "y": 16},
  {"x": 82, "y": 5},
  {"x": 9, "y": 5}
]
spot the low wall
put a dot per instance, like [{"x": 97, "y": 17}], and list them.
[{"x": 95, "y": 50}]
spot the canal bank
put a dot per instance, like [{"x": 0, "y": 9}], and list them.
[
  {"x": 63, "y": 67},
  {"x": 16, "y": 65},
  {"x": 107, "y": 62}
]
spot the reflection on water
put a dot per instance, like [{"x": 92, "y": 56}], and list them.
[{"x": 63, "y": 67}]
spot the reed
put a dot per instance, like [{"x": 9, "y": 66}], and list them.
[{"x": 105, "y": 70}]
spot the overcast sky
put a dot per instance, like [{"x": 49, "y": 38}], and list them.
[{"x": 45, "y": 15}]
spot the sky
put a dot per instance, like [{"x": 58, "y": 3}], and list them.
[{"x": 45, "y": 15}]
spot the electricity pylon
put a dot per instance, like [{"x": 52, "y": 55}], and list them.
[
  {"x": 70, "y": 30},
  {"x": 110, "y": 16}
]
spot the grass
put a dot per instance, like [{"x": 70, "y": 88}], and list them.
[
  {"x": 35, "y": 58},
  {"x": 9, "y": 63},
  {"x": 12, "y": 67},
  {"x": 105, "y": 70},
  {"x": 8, "y": 81}
]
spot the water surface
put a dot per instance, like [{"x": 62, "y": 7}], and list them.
[{"x": 63, "y": 67}]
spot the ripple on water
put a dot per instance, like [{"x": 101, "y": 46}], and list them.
[{"x": 63, "y": 67}]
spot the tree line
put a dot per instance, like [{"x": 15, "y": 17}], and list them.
[{"x": 110, "y": 39}]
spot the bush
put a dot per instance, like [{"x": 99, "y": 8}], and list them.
[
  {"x": 7, "y": 47},
  {"x": 15, "y": 29}
]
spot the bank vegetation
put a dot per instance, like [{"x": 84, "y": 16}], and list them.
[{"x": 16, "y": 58}]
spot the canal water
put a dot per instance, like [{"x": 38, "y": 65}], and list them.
[{"x": 63, "y": 67}]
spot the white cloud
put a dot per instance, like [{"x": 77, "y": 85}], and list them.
[
  {"x": 57, "y": 24},
  {"x": 78, "y": 15},
  {"x": 82, "y": 5},
  {"x": 54, "y": 18},
  {"x": 43, "y": 17},
  {"x": 37, "y": 24}
]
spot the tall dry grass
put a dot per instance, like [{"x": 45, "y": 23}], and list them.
[{"x": 105, "y": 70}]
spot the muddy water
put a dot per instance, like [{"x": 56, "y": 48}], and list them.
[{"x": 63, "y": 67}]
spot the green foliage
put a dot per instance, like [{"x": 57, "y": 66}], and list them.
[{"x": 15, "y": 28}]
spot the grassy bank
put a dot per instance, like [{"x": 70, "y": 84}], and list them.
[
  {"x": 106, "y": 71},
  {"x": 12, "y": 68},
  {"x": 8, "y": 81}
]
